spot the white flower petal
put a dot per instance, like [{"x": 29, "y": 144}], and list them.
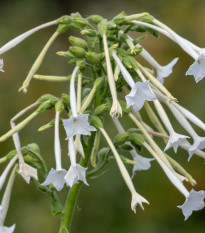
[
  {"x": 199, "y": 144},
  {"x": 194, "y": 202},
  {"x": 165, "y": 71},
  {"x": 138, "y": 95},
  {"x": 4, "y": 229},
  {"x": 197, "y": 69},
  {"x": 56, "y": 177},
  {"x": 1, "y": 65},
  {"x": 77, "y": 125},
  {"x": 175, "y": 140},
  {"x": 75, "y": 173},
  {"x": 26, "y": 171},
  {"x": 137, "y": 199},
  {"x": 142, "y": 164}
]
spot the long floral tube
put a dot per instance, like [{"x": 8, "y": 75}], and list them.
[{"x": 23, "y": 36}]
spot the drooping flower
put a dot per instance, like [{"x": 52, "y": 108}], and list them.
[
  {"x": 142, "y": 163},
  {"x": 76, "y": 172},
  {"x": 1, "y": 65},
  {"x": 136, "y": 198},
  {"x": 5, "y": 204},
  {"x": 56, "y": 177},
  {"x": 197, "y": 69},
  {"x": 26, "y": 171},
  {"x": 23, "y": 36},
  {"x": 199, "y": 144},
  {"x": 194, "y": 201},
  {"x": 139, "y": 94},
  {"x": 76, "y": 124},
  {"x": 175, "y": 140}
]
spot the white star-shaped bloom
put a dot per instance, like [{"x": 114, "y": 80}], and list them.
[
  {"x": 142, "y": 164},
  {"x": 4, "y": 229},
  {"x": 175, "y": 140},
  {"x": 194, "y": 202},
  {"x": 77, "y": 125},
  {"x": 197, "y": 69},
  {"x": 199, "y": 144},
  {"x": 140, "y": 93},
  {"x": 76, "y": 172},
  {"x": 165, "y": 71},
  {"x": 1, "y": 65},
  {"x": 26, "y": 171},
  {"x": 56, "y": 177}
]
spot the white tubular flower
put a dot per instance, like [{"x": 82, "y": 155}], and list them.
[
  {"x": 5, "y": 204},
  {"x": 56, "y": 177},
  {"x": 136, "y": 198},
  {"x": 6, "y": 171},
  {"x": 199, "y": 142},
  {"x": 194, "y": 201},
  {"x": 140, "y": 91},
  {"x": 76, "y": 172},
  {"x": 175, "y": 139},
  {"x": 1, "y": 65},
  {"x": 116, "y": 109},
  {"x": 139, "y": 94},
  {"x": 142, "y": 163},
  {"x": 197, "y": 69},
  {"x": 76, "y": 124},
  {"x": 23, "y": 36}
]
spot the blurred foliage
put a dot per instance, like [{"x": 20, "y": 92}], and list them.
[{"x": 104, "y": 206}]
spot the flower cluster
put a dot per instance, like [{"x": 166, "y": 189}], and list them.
[{"x": 110, "y": 54}]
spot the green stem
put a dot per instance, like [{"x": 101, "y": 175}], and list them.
[{"x": 73, "y": 193}]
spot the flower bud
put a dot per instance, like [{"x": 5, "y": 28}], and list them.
[
  {"x": 111, "y": 25},
  {"x": 66, "y": 101},
  {"x": 47, "y": 105},
  {"x": 80, "y": 21},
  {"x": 33, "y": 147},
  {"x": 126, "y": 147},
  {"x": 89, "y": 32},
  {"x": 66, "y": 54},
  {"x": 137, "y": 139},
  {"x": 99, "y": 82},
  {"x": 120, "y": 18},
  {"x": 96, "y": 122},
  {"x": 44, "y": 98},
  {"x": 65, "y": 19},
  {"x": 74, "y": 26},
  {"x": 96, "y": 19},
  {"x": 77, "y": 51},
  {"x": 102, "y": 27},
  {"x": 62, "y": 28},
  {"x": 59, "y": 106},
  {"x": 121, "y": 138},
  {"x": 103, "y": 152},
  {"x": 93, "y": 58},
  {"x": 101, "y": 109},
  {"x": 76, "y": 41}
]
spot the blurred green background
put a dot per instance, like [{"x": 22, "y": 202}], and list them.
[{"x": 104, "y": 206}]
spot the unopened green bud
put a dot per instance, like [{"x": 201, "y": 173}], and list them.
[
  {"x": 101, "y": 109},
  {"x": 132, "y": 61},
  {"x": 66, "y": 100},
  {"x": 138, "y": 29},
  {"x": 76, "y": 14},
  {"x": 96, "y": 122},
  {"x": 111, "y": 25},
  {"x": 102, "y": 27},
  {"x": 77, "y": 51},
  {"x": 62, "y": 28},
  {"x": 73, "y": 61},
  {"x": 76, "y": 41},
  {"x": 47, "y": 105},
  {"x": 28, "y": 158},
  {"x": 103, "y": 152},
  {"x": 65, "y": 54},
  {"x": 140, "y": 38},
  {"x": 127, "y": 63},
  {"x": 88, "y": 32},
  {"x": 118, "y": 19},
  {"x": 47, "y": 126},
  {"x": 99, "y": 82},
  {"x": 121, "y": 138},
  {"x": 122, "y": 52},
  {"x": 126, "y": 147},
  {"x": 148, "y": 18},
  {"x": 93, "y": 58},
  {"x": 80, "y": 21},
  {"x": 96, "y": 19},
  {"x": 34, "y": 147},
  {"x": 65, "y": 19},
  {"x": 59, "y": 106},
  {"x": 126, "y": 160},
  {"x": 74, "y": 26},
  {"x": 44, "y": 98},
  {"x": 81, "y": 64},
  {"x": 137, "y": 139},
  {"x": 123, "y": 105}
]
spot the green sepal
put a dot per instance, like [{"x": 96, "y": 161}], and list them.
[
  {"x": 96, "y": 19},
  {"x": 47, "y": 105},
  {"x": 89, "y": 32},
  {"x": 63, "y": 229},
  {"x": 102, "y": 27},
  {"x": 126, "y": 147},
  {"x": 76, "y": 41},
  {"x": 121, "y": 138},
  {"x": 65, "y": 19},
  {"x": 44, "y": 98},
  {"x": 66, "y": 101},
  {"x": 137, "y": 138},
  {"x": 101, "y": 109},
  {"x": 99, "y": 82},
  {"x": 96, "y": 122},
  {"x": 80, "y": 21},
  {"x": 62, "y": 28},
  {"x": 93, "y": 58},
  {"x": 120, "y": 18},
  {"x": 56, "y": 206},
  {"x": 77, "y": 51}
]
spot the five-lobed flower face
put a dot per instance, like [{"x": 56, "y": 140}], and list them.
[{"x": 138, "y": 95}]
